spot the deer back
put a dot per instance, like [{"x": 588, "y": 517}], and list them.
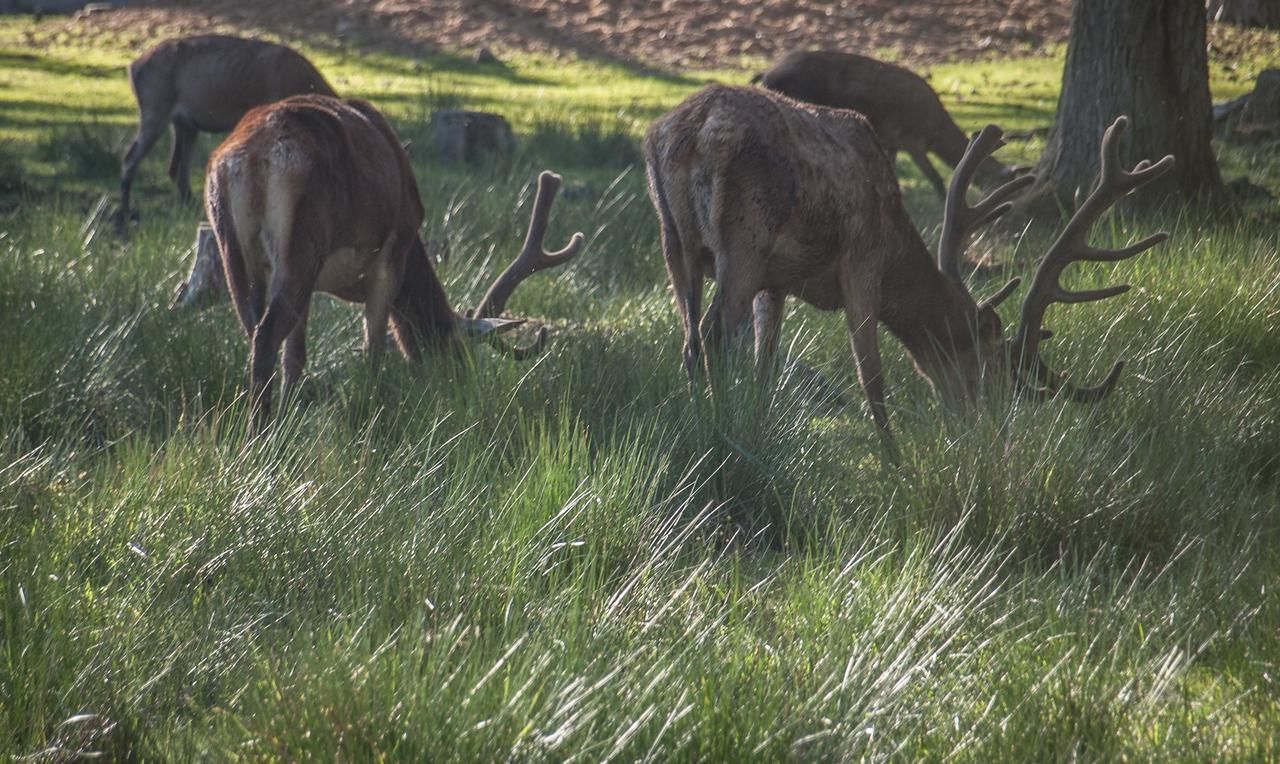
[
  {"x": 901, "y": 106},
  {"x": 809, "y": 185},
  {"x": 212, "y": 80},
  {"x": 327, "y": 176}
]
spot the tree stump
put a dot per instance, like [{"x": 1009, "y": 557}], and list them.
[
  {"x": 1263, "y": 107},
  {"x": 465, "y": 136},
  {"x": 206, "y": 283},
  {"x": 1245, "y": 13}
]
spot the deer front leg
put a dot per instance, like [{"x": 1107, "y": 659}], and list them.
[
  {"x": 862, "y": 317},
  {"x": 767, "y": 314},
  {"x": 921, "y": 157}
]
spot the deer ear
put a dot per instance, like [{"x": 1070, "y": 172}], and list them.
[{"x": 477, "y": 328}]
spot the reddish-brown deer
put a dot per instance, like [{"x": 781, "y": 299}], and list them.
[
  {"x": 773, "y": 197},
  {"x": 314, "y": 193},
  {"x": 904, "y": 110},
  {"x": 206, "y": 83}
]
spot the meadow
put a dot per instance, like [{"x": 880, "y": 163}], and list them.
[{"x": 573, "y": 558}]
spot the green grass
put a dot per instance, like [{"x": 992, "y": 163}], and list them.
[{"x": 574, "y": 559}]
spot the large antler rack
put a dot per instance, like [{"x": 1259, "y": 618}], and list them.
[
  {"x": 959, "y": 220},
  {"x": 532, "y": 258},
  {"x": 1072, "y": 246}
]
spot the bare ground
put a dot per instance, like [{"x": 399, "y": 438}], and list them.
[{"x": 663, "y": 33}]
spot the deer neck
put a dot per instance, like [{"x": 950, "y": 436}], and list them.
[
  {"x": 422, "y": 304},
  {"x": 950, "y": 143},
  {"x": 928, "y": 312}
]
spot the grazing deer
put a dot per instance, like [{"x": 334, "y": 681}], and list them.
[
  {"x": 773, "y": 197},
  {"x": 206, "y": 83},
  {"x": 901, "y": 106},
  {"x": 314, "y": 193}
]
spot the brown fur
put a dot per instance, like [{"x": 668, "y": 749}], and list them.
[
  {"x": 313, "y": 193},
  {"x": 904, "y": 110},
  {"x": 206, "y": 83},
  {"x": 773, "y": 197}
]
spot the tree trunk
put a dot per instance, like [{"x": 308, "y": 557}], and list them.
[
  {"x": 1246, "y": 13},
  {"x": 1146, "y": 59}
]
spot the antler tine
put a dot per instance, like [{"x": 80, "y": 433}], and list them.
[
  {"x": 959, "y": 220},
  {"x": 532, "y": 257},
  {"x": 1113, "y": 175},
  {"x": 1072, "y": 245}
]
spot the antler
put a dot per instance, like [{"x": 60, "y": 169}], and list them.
[
  {"x": 1072, "y": 246},
  {"x": 959, "y": 220},
  {"x": 532, "y": 257}
]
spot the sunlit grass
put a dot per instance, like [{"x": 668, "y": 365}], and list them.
[{"x": 576, "y": 559}]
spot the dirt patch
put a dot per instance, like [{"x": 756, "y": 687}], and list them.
[{"x": 671, "y": 34}]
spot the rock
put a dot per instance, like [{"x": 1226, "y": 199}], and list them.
[
  {"x": 485, "y": 56},
  {"x": 463, "y": 135},
  {"x": 1247, "y": 191}
]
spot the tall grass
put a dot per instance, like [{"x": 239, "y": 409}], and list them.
[{"x": 578, "y": 559}]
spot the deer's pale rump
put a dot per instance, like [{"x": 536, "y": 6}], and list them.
[{"x": 314, "y": 193}]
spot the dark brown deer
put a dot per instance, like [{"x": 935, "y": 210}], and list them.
[
  {"x": 206, "y": 83},
  {"x": 904, "y": 110},
  {"x": 314, "y": 193},
  {"x": 773, "y": 197}
]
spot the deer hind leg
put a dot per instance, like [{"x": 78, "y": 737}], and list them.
[
  {"x": 737, "y": 283},
  {"x": 184, "y": 143},
  {"x": 248, "y": 295},
  {"x": 921, "y": 157},
  {"x": 381, "y": 285},
  {"x": 150, "y": 128},
  {"x": 287, "y": 310},
  {"x": 684, "y": 271},
  {"x": 295, "y": 353},
  {"x": 685, "y": 274}
]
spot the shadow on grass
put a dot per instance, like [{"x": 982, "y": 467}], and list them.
[{"x": 10, "y": 59}]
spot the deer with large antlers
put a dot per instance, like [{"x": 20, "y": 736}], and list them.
[
  {"x": 314, "y": 193},
  {"x": 773, "y": 197}
]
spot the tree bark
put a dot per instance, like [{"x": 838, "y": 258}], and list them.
[
  {"x": 1145, "y": 59},
  {"x": 1246, "y": 13}
]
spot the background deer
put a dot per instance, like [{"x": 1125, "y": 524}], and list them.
[
  {"x": 773, "y": 198},
  {"x": 206, "y": 83},
  {"x": 313, "y": 193},
  {"x": 904, "y": 110}
]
